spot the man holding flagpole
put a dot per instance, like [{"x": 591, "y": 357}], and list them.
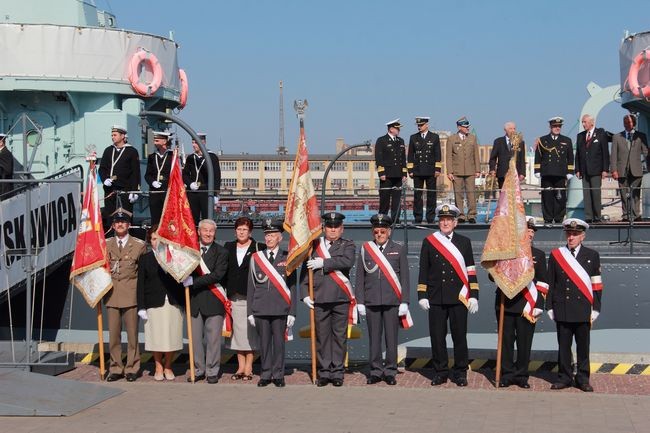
[{"x": 382, "y": 293}]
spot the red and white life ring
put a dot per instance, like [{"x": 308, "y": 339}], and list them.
[
  {"x": 637, "y": 90},
  {"x": 150, "y": 60},
  {"x": 184, "y": 89}
]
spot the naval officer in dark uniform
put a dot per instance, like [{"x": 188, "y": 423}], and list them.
[
  {"x": 382, "y": 297},
  {"x": 554, "y": 163},
  {"x": 390, "y": 160},
  {"x": 271, "y": 303},
  {"x": 424, "y": 165},
  {"x": 573, "y": 301},
  {"x": 119, "y": 170},
  {"x": 519, "y": 320},
  {"x": 159, "y": 165},
  {"x": 444, "y": 294},
  {"x": 332, "y": 260},
  {"x": 195, "y": 177}
]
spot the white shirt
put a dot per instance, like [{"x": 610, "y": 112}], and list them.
[
  {"x": 124, "y": 240},
  {"x": 241, "y": 253}
]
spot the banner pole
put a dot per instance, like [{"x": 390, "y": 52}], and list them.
[
  {"x": 100, "y": 338},
  {"x": 312, "y": 327},
  {"x": 499, "y": 340},
  {"x": 190, "y": 345}
]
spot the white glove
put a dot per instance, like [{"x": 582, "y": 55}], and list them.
[
  {"x": 251, "y": 320},
  {"x": 538, "y": 175},
  {"x": 361, "y": 309},
  {"x": 290, "y": 320},
  {"x": 108, "y": 182},
  {"x": 594, "y": 315},
  {"x": 187, "y": 282},
  {"x": 194, "y": 186},
  {"x": 156, "y": 184},
  {"x": 308, "y": 302},
  {"x": 569, "y": 176},
  {"x": 216, "y": 200},
  {"x": 424, "y": 304},
  {"x": 403, "y": 309},
  {"x": 143, "y": 314},
  {"x": 133, "y": 197},
  {"x": 537, "y": 312},
  {"x": 316, "y": 263},
  {"x": 473, "y": 306},
  {"x": 551, "y": 315}
]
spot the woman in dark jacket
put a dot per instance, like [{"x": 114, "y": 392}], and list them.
[
  {"x": 244, "y": 337},
  {"x": 160, "y": 305}
]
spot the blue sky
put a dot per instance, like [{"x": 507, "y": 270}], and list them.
[{"x": 363, "y": 63}]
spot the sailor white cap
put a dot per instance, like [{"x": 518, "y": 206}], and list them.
[
  {"x": 394, "y": 124},
  {"x": 422, "y": 120},
  {"x": 447, "y": 209},
  {"x": 118, "y": 128},
  {"x": 557, "y": 120},
  {"x": 162, "y": 134}
]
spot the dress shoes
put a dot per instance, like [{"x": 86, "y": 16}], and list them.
[
  {"x": 322, "y": 382},
  {"x": 461, "y": 381},
  {"x": 523, "y": 383},
  {"x": 472, "y": 220},
  {"x": 264, "y": 382},
  {"x": 112, "y": 377},
  {"x": 560, "y": 385},
  {"x": 585, "y": 387},
  {"x": 280, "y": 383},
  {"x": 337, "y": 382},
  {"x": 504, "y": 383},
  {"x": 390, "y": 380},
  {"x": 212, "y": 379},
  {"x": 196, "y": 378},
  {"x": 131, "y": 377},
  {"x": 373, "y": 379},
  {"x": 438, "y": 380}
]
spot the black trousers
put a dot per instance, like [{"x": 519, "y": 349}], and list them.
[
  {"x": 566, "y": 332},
  {"x": 554, "y": 200},
  {"x": 428, "y": 183},
  {"x": 389, "y": 198},
  {"x": 382, "y": 319},
  {"x": 271, "y": 331},
  {"x": 457, "y": 316},
  {"x": 156, "y": 203},
  {"x": 199, "y": 205},
  {"x": 516, "y": 329},
  {"x": 331, "y": 338}
]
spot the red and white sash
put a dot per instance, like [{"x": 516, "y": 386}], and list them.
[
  {"x": 341, "y": 280},
  {"x": 378, "y": 257},
  {"x": 218, "y": 291},
  {"x": 278, "y": 282},
  {"x": 577, "y": 273},
  {"x": 450, "y": 252},
  {"x": 530, "y": 294}
]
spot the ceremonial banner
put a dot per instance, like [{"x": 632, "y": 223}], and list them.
[
  {"x": 302, "y": 217},
  {"x": 507, "y": 255},
  {"x": 177, "y": 249},
  {"x": 90, "y": 271}
]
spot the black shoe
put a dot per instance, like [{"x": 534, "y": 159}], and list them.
[
  {"x": 504, "y": 383},
  {"x": 559, "y": 385},
  {"x": 373, "y": 379},
  {"x": 213, "y": 379},
  {"x": 438, "y": 380},
  {"x": 196, "y": 378},
  {"x": 264, "y": 382},
  {"x": 390, "y": 380},
  {"x": 472, "y": 220},
  {"x": 461, "y": 381},
  {"x": 280, "y": 383},
  {"x": 131, "y": 377},
  {"x": 322, "y": 382},
  {"x": 337, "y": 382},
  {"x": 523, "y": 383},
  {"x": 638, "y": 219},
  {"x": 417, "y": 222},
  {"x": 589, "y": 221},
  {"x": 112, "y": 377},
  {"x": 585, "y": 387}
]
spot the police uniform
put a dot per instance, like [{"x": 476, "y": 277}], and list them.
[
  {"x": 331, "y": 303},
  {"x": 424, "y": 162},
  {"x": 376, "y": 293},
  {"x": 196, "y": 172},
  {"x": 440, "y": 285},
  {"x": 157, "y": 176},
  {"x": 122, "y": 166},
  {"x": 270, "y": 309},
  {"x": 554, "y": 161},
  {"x": 516, "y": 327},
  {"x": 390, "y": 160},
  {"x": 572, "y": 311},
  {"x": 121, "y": 301},
  {"x": 462, "y": 159},
  {"x": 6, "y": 166}
]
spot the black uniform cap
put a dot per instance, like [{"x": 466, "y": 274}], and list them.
[
  {"x": 333, "y": 219},
  {"x": 381, "y": 220},
  {"x": 273, "y": 225}
]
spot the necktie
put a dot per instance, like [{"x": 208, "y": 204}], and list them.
[
  {"x": 628, "y": 136},
  {"x": 119, "y": 245},
  {"x": 271, "y": 256},
  {"x": 204, "y": 250},
  {"x": 573, "y": 252},
  {"x": 448, "y": 237},
  {"x": 424, "y": 135},
  {"x": 381, "y": 248},
  {"x": 329, "y": 245},
  {"x": 588, "y": 138}
]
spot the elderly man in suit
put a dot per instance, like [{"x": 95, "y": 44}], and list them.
[
  {"x": 463, "y": 167},
  {"x": 592, "y": 165},
  {"x": 206, "y": 308},
  {"x": 382, "y": 292},
  {"x": 121, "y": 301},
  {"x": 333, "y": 302},
  {"x": 390, "y": 160},
  {"x": 628, "y": 149},
  {"x": 502, "y": 152}
]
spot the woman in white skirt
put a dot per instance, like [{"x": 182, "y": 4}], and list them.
[
  {"x": 244, "y": 336},
  {"x": 160, "y": 306}
]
